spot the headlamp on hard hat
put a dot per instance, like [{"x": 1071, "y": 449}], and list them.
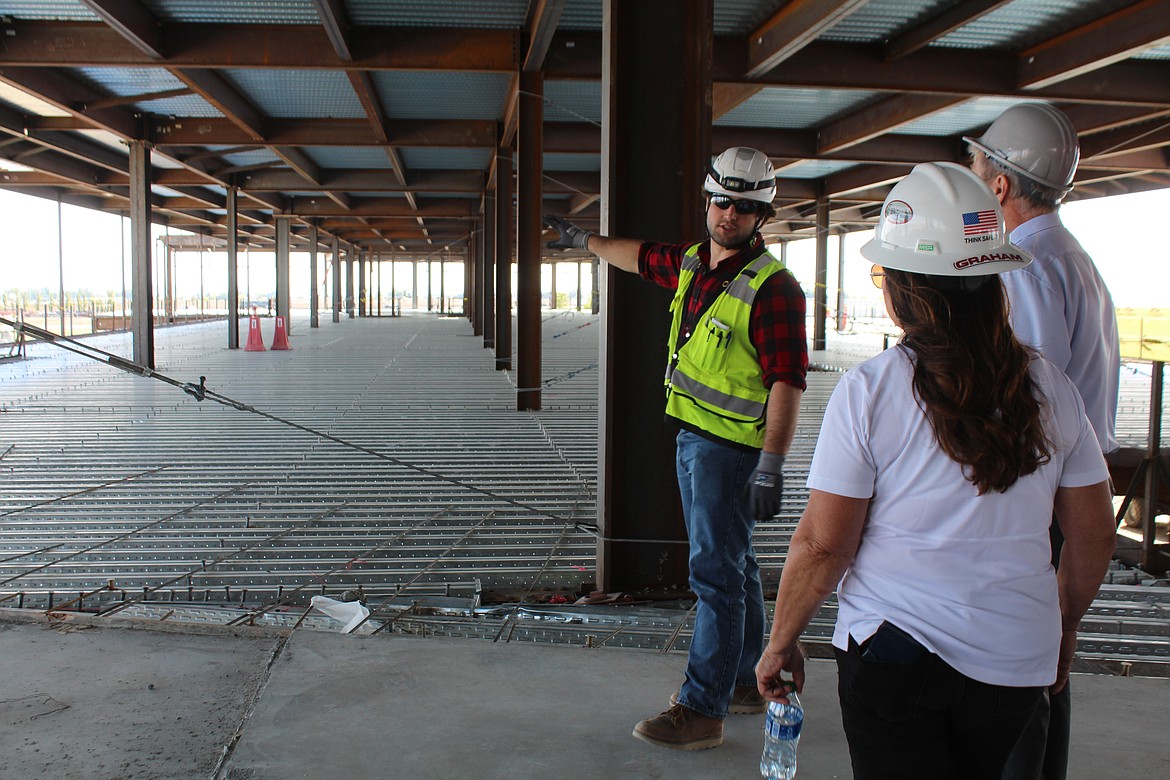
[
  {"x": 735, "y": 184},
  {"x": 742, "y": 171}
]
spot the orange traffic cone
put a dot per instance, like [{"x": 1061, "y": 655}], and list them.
[
  {"x": 255, "y": 339},
  {"x": 280, "y": 337}
]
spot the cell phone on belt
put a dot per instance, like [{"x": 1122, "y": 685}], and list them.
[{"x": 891, "y": 645}]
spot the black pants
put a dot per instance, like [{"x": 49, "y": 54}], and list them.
[
  {"x": 923, "y": 720},
  {"x": 1042, "y": 752}
]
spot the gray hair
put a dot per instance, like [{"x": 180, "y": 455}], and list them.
[{"x": 1036, "y": 195}]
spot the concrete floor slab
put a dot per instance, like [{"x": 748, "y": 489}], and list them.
[
  {"x": 103, "y": 702},
  {"x": 405, "y": 707},
  {"x": 109, "y": 704}
]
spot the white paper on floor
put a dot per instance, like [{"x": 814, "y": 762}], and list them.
[{"x": 348, "y": 612}]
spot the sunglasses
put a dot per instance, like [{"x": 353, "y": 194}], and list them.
[
  {"x": 741, "y": 206},
  {"x": 877, "y": 275}
]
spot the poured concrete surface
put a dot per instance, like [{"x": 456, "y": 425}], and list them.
[
  {"x": 433, "y": 708},
  {"x": 77, "y": 702},
  {"x": 97, "y": 703}
]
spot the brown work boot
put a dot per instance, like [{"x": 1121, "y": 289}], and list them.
[
  {"x": 681, "y": 728},
  {"x": 745, "y": 700}
]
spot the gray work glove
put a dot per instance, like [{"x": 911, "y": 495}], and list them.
[
  {"x": 766, "y": 486},
  {"x": 571, "y": 236}
]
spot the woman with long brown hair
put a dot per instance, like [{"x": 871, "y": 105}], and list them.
[{"x": 939, "y": 467}]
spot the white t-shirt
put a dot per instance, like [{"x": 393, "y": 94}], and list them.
[
  {"x": 969, "y": 576},
  {"x": 1061, "y": 307}
]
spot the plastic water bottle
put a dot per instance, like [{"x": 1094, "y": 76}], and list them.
[{"x": 781, "y": 735}]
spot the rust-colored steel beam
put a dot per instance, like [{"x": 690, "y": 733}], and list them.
[
  {"x": 795, "y": 25},
  {"x": 86, "y": 44},
  {"x": 351, "y": 179},
  {"x": 572, "y": 137},
  {"x": 64, "y": 92},
  {"x": 1124, "y": 140},
  {"x": 335, "y": 22},
  {"x": 541, "y": 26},
  {"x": 185, "y": 131},
  {"x": 383, "y": 207},
  {"x": 133, "y": 21},
  {"x": 950, "y": 19},
  {"x": 880, "y": 118},
  {"x": 1097, "y": 119},
  {"x": 862, "y": 177},
  {"x": 1110, "y": 39},
  {"x": 962, "y": 72},
  {"x": 1154, "y": 159},
  {"x": 218, "y": 92}
]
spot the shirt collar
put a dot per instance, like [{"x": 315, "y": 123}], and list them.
[{"x": 1034, "y": 226}]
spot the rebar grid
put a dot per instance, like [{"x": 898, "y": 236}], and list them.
[{"x": 126, "y": 496}]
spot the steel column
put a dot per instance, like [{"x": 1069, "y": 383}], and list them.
[
  {"x": 168, "y": 282},
  {"x": 140, "y": 246},
  {"x": 1153, "y": 560},
  {"x": 233, "y": 270},
  {"x": 283, "y": 237},
  {"x": 652, "y": 172},
  {"x": 487, "y": 253},
  {"x": 336, "y": 279},
  {"x": 474, "y": 276},
  {"x": 552, "y": 284},
  {"x": 61, "y": 266},
  {"x": 363, "y": 294},
  {"x": 430, "y": 286},
  {"x": 349, "y": 282},
  {"x": 530, "y": 142},
  {"x": 503, "y": 258},
  {"x": 841, "y": 319},
  {"x": 314, "y": 321},
  {"x": 821, "y": 288},
  {"x": 595, "y": 286}
]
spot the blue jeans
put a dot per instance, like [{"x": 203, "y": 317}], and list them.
[{"x": 729, "y": 617}]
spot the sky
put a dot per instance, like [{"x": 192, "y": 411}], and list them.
[{"x": 1128, "y": 237}]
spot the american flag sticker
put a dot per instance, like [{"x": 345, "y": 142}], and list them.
[{"x": 975, "y": 222}]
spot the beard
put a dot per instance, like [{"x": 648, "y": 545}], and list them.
[{"x": 740, "y": 239}]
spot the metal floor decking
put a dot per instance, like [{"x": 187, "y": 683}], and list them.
[{"x": 416, "y": 481}]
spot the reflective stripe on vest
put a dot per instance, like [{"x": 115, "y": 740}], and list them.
[{"x": 714, "y": 381}]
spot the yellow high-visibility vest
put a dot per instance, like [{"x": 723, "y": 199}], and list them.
[{"x": 714, "y": 382}]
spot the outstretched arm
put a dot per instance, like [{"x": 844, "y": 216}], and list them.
[{"x": 619, "y": 252}]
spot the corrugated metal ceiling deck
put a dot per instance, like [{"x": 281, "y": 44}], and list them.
[{"x": 871, "y": 87}]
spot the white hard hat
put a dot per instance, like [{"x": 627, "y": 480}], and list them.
[
  {"x": 1036, "y": 140},
  {"x": 941, "y": 219},
  {"x": 742, "y": 173}
]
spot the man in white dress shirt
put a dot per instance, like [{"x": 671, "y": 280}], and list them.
[{"x": 1061, "y": 307}]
